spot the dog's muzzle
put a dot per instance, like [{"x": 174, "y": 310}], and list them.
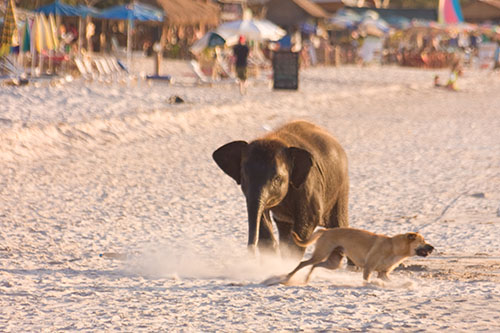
[{"x": 424, "y": 251}]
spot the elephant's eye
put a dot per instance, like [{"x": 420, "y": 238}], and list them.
[{"x": 277, "y": 180}]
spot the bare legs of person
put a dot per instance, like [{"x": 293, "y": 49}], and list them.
[{"x": 243, "y": 86}]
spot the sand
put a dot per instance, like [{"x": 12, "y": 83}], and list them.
[{"x": 93, "y": 168}]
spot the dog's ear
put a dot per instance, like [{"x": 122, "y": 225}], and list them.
[{"x": 411, "y": 236}]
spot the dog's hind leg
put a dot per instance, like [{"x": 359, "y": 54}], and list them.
[
  {"x": 333, "y": 262},
  {"x": 301, "y": 265}
]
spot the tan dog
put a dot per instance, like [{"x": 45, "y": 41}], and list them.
[{"x": 372, "y": 252}]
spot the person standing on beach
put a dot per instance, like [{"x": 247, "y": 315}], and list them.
[{"x": 241, "y": 52}]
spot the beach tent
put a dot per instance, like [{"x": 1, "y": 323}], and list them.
[{"x": 132, "y": 12}]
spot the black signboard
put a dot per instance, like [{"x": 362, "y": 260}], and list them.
[{"x": 286, "y": 70}]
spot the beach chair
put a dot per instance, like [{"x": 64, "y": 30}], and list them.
[
  {"x": 117, "y": 72},
  {"x": 103, "y": 76},
  {"x": 195, "y": 66},
  {"x": 13, "y": 74},
  {"x": 82, "y": 69},
  {"x": 224, "y": 65},
  {"x": 89, "y": 68}
]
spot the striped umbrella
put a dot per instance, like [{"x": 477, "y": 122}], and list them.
[{"x": 9, "y": 27}]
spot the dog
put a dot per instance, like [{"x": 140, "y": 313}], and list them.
[{"x": 369, "y": 251}]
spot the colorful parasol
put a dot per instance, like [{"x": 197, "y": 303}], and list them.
[
  {"x": 26, "y": 38},
  {"x": 9, "y": 28},
  {"x": 449, "y": 12}
]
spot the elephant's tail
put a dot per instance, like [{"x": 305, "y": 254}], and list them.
[{"x": 312, "y": 240}]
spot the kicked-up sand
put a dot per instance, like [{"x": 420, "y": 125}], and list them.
[{"x": 113, "y": 215}]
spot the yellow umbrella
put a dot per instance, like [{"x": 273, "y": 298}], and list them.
[
  {"x": 9, "y": 28},
  {"x": 47, "y": 34},
  {"x": 38, "y": 33},
  {"x": 53, "y": 29}
]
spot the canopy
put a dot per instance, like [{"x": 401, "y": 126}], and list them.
[
  {"x": 88, "y": 11},
  {"x": 134, "y": 11},
  {"x": 59, "y": 8},
  {"x": 252, "y": 29}
]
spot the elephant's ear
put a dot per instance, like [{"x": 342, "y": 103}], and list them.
[
  {"x": 228, "y": 158},
  {"x": 301, "y": 162}
]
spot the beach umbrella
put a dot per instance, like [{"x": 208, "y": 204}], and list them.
[
  {"x": 132, "y": 12},
  {"x": 38, "y": 34},
  {"x": 88, "y": 11},
  {"x": 398, "y": 22},
  {"x": 345, "y": 19},
  {"x": 135, "y": 11},
  {"x": 212, "y": 39},
  {"x": 58, "y": 8},
  {"x": 449, "y": 11},
  {"x": 9, "y": 28},
  {"x": 53, "y": 31},
  {"x": 47, "y": 33},
  {"x": 372, "y": 24},
  {"x": 252, "y": 29},
  {"x": 26, "y": 38}
]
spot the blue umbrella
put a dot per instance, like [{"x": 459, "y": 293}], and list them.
[
  {"x": 59, "y": 8},
  {"x": 88, "y": 11},
  {"x": 132, "y": 12}
]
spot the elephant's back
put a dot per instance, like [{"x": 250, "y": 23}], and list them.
[{"x": 311, "y": 137}]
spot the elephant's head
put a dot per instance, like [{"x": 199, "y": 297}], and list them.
[{"x": 265, "y": 169}]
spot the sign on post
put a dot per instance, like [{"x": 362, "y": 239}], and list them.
[{"x": 285, "y": 70}]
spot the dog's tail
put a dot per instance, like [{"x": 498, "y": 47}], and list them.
[{"x": 312, "y": 240}]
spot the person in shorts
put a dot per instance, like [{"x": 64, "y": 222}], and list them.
[{"x": 240, "y": 52}]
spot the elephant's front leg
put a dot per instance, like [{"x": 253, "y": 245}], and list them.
[
  {"x": 267, "y": 241},
  {"x": 288, "y": 248}
]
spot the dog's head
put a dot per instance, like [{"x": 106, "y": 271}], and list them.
[{"x": 418, "y": 245}]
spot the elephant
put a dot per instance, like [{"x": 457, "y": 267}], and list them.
[{"x": 299, "y": 174}]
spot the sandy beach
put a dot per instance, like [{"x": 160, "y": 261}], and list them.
[{"x": 93, "y": 168}]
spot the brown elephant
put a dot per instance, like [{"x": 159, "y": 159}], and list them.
[{"x": 299, "y": 174}]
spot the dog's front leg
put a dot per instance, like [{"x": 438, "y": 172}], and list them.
[
  {"x": 367, "y": 272},
  {"x": 383, "y": 276}
]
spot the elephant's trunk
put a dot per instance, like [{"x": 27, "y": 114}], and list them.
[{"x": 255, "y": 207}]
